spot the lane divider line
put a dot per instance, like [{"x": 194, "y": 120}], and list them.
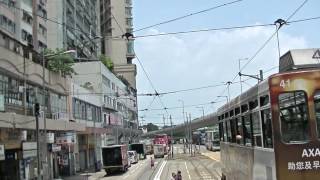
[
  {"x": 158, "y": 175},
  {"x": 185, "y": 163}
]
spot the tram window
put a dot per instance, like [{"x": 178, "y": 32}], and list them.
[
  {"x": 221, "y": 131},
  {"x": 264, "y": 100},
  {"x": 317, "y": 110},
  {"x": 228, "y": 130},
  {"x": 256, "y": 129},
  {"x": 225, "y": 130},
  {"x": 233, "y": 130},
  {"x": 293, "y": 116},
  {"x": 237, "y": 111},
  {"x": 247, "y": 130},
  {"x": 267, "y": 128},
  {"x": 239, "y": 130}
]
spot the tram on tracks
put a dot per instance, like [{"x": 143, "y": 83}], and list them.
[{"x": 272, "y": 131}]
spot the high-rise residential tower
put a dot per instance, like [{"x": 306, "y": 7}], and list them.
[
  {"x": 116, "y": 20},
  {"x": 78, "y": 26}
]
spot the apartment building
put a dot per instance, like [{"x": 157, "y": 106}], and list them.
[
  {"x": 78, "y": 27},
  {"x": 116, "y": 20},
  {"x": 22, "y": 38},
  {"x": 118, "y": 100}
]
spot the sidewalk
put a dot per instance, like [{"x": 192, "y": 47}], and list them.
[
  {"x": 212, "y": 155},
  {"x": 86, "y": 176}
]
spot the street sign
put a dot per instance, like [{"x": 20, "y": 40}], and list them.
[
  {"x": 29, "y": 153},
  {"x": 29, "y": 146}
]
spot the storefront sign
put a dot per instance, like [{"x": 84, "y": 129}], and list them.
[
  {"x": 2, "y": 156},
  {"x": 1, "y": 102},
  {"x": 66, "y": 138},
  {"x": 29, "y": 153},
  {"x": 29, "y": 146},
  {"x": 50, "y": 137},
  {"x": 55, "y": 147},
  {"x": 11, "y": 155}
]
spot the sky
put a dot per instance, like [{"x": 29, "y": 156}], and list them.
[{"x": 184, "y": 61}]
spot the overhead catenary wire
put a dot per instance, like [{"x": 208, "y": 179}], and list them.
[
  {"x": 269, "y": 39},
  {"x": 142, "y": 67},
  {"x": 180, "y": 107},
  {"x": 187, "y": 15}
]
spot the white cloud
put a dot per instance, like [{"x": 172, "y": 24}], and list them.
[{"x": 186, "y": 61}]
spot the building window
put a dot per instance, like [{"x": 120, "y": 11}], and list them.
[
  {"x": 7, "y": 24},
  {"x": 128, "y": 11},
  {"x": 27, "y": 17},
  {"x": 129, "y": 22},
  {"x": 293, "y": 117}
]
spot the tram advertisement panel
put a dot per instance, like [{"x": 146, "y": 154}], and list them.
[{"x": 295, "y": 101}]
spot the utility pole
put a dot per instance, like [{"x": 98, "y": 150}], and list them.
[
  {"x": 185, "y": 131},
  {"x": 188, "y": 132},
  {"x": 37, "y": 113},
  {"x": 44, "y": 111},
  {"x": 190, "y": 128},
  {"x": 171, "y": 137},
  {"x": 239, "y": 63}
]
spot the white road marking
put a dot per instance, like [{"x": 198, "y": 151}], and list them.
[
  {"x": 158, "y": 175},
  {"x": 185, "y": 163}
]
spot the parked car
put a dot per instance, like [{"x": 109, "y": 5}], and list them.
[
  {"x": 133, "y": 157},
  {"x": 140, "y": 148}
]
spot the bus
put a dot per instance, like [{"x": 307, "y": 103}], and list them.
[
  {"x": 272, "y": 131},
  {"x": 212, "y": 140}
]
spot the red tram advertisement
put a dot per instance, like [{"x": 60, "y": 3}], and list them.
[{"x": 272, "y": 131}]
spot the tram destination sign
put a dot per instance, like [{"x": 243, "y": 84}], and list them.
[{"x": 306, "y": 165}]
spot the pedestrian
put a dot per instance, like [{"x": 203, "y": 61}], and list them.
[
  {"x": 179, "y": 176},
  {"x": 152, "y": 162},
  {"x": 173, "y": 176}
]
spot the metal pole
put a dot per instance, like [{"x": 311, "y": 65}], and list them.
[
  {"x": 188, "y": 132},
  {"x": 44, "y": 108},
  {"x": 239, "y": 60},
  {"x": 36, "y": 112},
  {"x": 190, "y": 128},
  {"x": 185, "y": 132},
  {"x": 171, "y": 137}
]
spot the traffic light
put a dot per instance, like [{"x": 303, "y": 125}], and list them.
[{"x": 37, "y": 109}]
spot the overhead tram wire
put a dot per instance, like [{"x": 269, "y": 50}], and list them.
[
  {"x": 188, "y": 15},
  {"x": 193, "y": 31},
  {"x": 269, "y": 39},
  {"x": 141, "y": 65},
  {"x": 180, "y": 107},
  {"x": 225, "y": 28}
]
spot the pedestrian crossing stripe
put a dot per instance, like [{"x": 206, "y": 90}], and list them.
[{"x": 316, "y": 54}]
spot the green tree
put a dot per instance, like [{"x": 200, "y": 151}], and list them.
[
  {"x": 151, "y": 127},
  {"x": 106, "y": 61},
  {"x": 59, "y": 62}
]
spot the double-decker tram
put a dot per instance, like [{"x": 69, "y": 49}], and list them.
[{"x": 272, "y": 131}]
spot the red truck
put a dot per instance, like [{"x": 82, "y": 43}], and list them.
[
  {"x": 163, "y": 139},
  {"x": 115, "y": 158}
]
